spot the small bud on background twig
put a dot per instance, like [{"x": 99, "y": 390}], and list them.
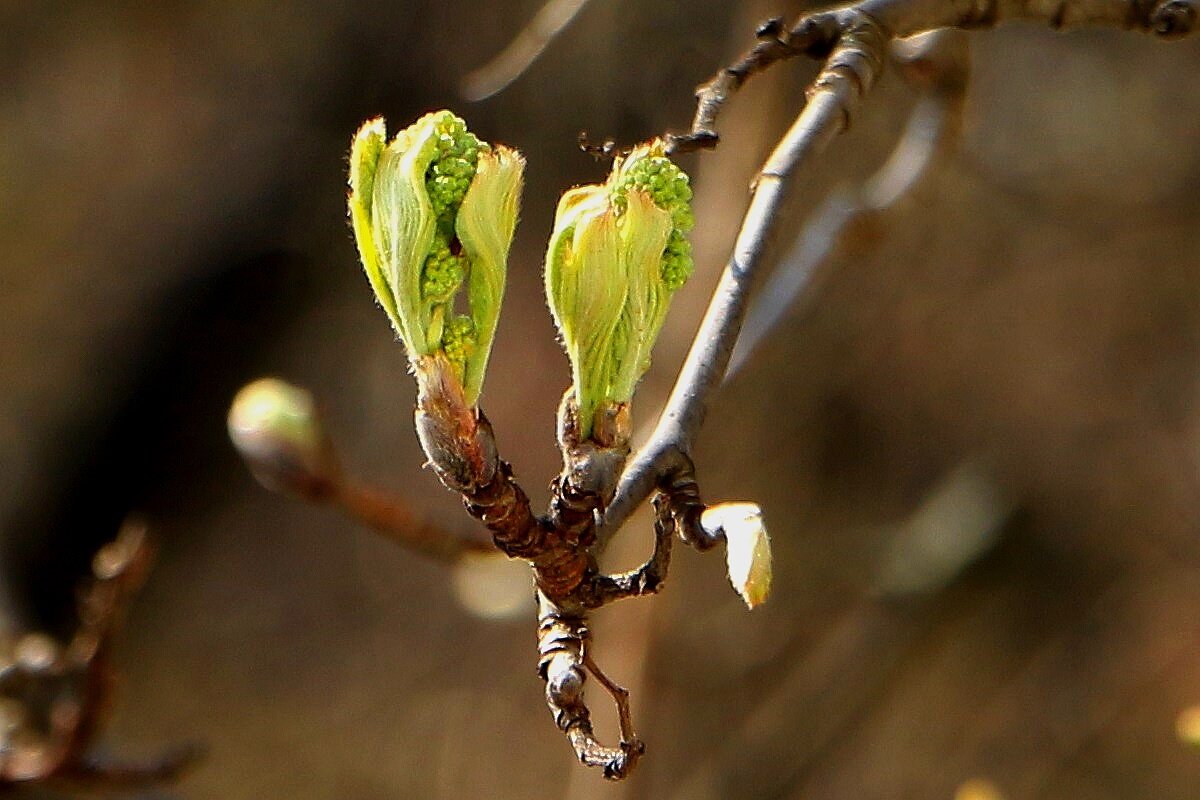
[{"x": 276, "y": 428}]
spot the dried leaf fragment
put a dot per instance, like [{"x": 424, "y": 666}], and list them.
[{"x": 747, "y": 547}]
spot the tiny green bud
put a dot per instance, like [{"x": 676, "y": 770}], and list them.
[
  {"x": 616, "y": 256},
  {"x": 433, "y": 212},
  {"x": 276, "y": 428},
  {"x": 747, "y": 547}
]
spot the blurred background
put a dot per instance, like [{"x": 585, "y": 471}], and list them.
[{"x": 976, "y": 440}]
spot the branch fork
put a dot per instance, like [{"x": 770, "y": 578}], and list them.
[{"x": 597, "y": 490}]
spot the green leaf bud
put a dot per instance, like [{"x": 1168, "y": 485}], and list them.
[
  {"x": 610, "y": 300},
  {"x": 585, "y": 288},
  {"x": 433, "y": 212}
]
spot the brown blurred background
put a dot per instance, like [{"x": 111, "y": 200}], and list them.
[{"x": 976, "y": 441}]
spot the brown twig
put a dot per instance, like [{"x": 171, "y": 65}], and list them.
[
  {"x": 63, "y": 692},
  {"x": 563, "y": 665},
  {"x": 391, "y": 518},
  {"x": 813, "y": 37}
]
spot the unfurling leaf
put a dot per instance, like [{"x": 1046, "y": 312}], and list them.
[
  {"x": 433, "y": 212},
  {"x": 617, "y": 254},
  {"x": 747, "y": 547}
]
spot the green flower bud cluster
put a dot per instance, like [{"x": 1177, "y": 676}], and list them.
[
  {"x": 670, "y": 189},
  {"x": 443, "y": 273},
  {"x": 617, "y": 254},
  {"x": 449, "y": 176},
  {"x": 433, "y": 213},
  {"x": 458, "y": 341}
]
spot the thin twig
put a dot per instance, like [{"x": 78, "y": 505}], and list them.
[
  {"x": 858, "y": 34},
  {"x": 66, "y": 691},
  {"x": 815, "y": 34},
  {"x": 1166, "y": 18},
  {"x": 391, "y": 518},
  {"x": 620, "y": 696},
  {"x": 650, "y": 576},
  {"x": 775, "y": 43},
  {"x": 522, "y": 51},
  {"x": 939, "y": 64},
  {"x": 849, "y": 73}
]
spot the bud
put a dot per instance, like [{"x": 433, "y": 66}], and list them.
[
  {"x": 616, "y": 256},
  {"x": 433, "y": 213},
  {"x": 585, "y": 288},
  {"x": 747, "y": 547},
  {"x": 276, "y": 428}
]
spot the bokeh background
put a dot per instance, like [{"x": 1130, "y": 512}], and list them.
[{"x": 976, "y": 438}]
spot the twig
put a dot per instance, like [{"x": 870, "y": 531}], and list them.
[
  {"x": 391, "y": 518},
  {"x": 852, "y": 68},
  {"x": 648, "y": 578},
  {"x": 522, "y": 51},
  {"x": 1167, "y": 18},
  {"x": 937, "y": 62},
  {"x": 813, "y": 37},
  {"x": 620, "y": 696},
  {"x": 64, "y": 691},
  {"x": 858, "y": 35},
  {"x": 816, "y": 34},
  {"x": 562, "y": 645}
]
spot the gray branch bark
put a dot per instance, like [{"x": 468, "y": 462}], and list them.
[{"x": 856, "y": 38}]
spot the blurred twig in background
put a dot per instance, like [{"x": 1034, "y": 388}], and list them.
[{"x": 524, "y": 49}]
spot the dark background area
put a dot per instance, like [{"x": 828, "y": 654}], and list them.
[{"x": 975, "y": 442}]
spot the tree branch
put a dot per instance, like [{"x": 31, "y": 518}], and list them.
[
  {"x": 816, "y": 34},
  {"x": 852, "y": 68},
  {"x": 856, "y": 37},
  {"x": 938, "y": 63}
]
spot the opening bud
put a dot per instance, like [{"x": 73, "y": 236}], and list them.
[
  {"x": 617, "y": 253},
  {"x": 747, "y": 547},
  {"x": 433, "y": 213}
]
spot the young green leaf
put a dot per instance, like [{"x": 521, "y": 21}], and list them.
[
  {"x": 616, "y": 256},
  {"x": 433, "y": 212}
]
